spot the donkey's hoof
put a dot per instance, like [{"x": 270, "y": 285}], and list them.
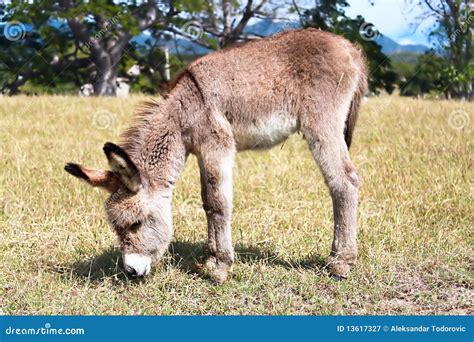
[
  {"x": 337, "y": 278},
  {"x": 220, "y": 274},
  {"x": 339, "y": 269},
  {"x": 211, "y": 263}
]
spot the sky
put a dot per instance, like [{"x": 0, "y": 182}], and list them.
[{"x": 396, "y": 19}]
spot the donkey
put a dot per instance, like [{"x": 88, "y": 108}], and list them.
[{"x": 251, "y": 96}]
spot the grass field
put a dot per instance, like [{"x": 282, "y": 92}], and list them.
[{"x": 415, "y": 159}]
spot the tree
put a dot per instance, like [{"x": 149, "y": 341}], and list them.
[
  {"x": 81, "y": 34},
  {"x": 329, "y": 15},
  {"x": 453, "y": 31},
  {"x": 226, "y": 28},
  {"x": 426, "y": 77},
  {"x": 82, "y": 41},
  {"x": 222, "y": 23}
]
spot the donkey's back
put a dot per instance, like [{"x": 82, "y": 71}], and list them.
[{"x": 268, "y": 88}]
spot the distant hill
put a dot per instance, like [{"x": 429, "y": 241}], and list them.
[
  {"x": 267, "y": 27},
  {"x": 390, "y": 47},
  {"x": 405, "y": 57}
]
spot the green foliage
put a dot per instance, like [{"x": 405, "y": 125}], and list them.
[
  {"x": 152, "y": 60},
  {"x": 425, "y": 77},
  {"x": 451, "y": 72},
  {"x": 408, "y": 58},
  {"x": 191, "y": 6},
  {"x": 51, "y": 56},
  {"x": 434, "y": 74}
]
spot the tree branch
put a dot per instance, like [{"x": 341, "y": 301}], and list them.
[
  {"x": 199, "y": 41},
  {"x": 150, "y": 16},
  {"x": 428, "y": 3},
  {"x": 248, "y": 14}
]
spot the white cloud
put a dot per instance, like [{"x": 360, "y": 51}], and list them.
[
  {"x": 396, "y": 19},
  {"x": 406, "y": 41}
]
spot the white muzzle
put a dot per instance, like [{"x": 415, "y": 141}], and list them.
[{"x": 137, "y": 265}]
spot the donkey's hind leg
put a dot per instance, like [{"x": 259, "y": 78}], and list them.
[
  {"x": 211, "y": 261},
  {"x": 331, "y": 154}
]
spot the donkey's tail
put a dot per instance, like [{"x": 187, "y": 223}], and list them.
[{"x": 354, "y": 107}]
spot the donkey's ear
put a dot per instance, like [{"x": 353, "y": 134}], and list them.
[
  {"x": 120, "y": 163},
  {"x": 104, "y": 179}
]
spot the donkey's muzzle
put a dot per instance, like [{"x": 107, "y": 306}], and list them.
[
  {"x": 136, "y": 265},
  {"x": 131, "y": 273}
]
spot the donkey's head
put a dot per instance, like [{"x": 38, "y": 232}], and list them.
[{"x": 141, "y": 219}]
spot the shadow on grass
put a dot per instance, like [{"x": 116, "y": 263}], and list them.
[
  {"x": 106, "y": 265},
  {"x": 184, "y": 256}
]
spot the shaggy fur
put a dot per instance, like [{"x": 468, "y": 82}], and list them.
[{"x": 248, "y": 97}]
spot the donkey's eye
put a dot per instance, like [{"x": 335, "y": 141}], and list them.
[{"x": 135, "y": 226}]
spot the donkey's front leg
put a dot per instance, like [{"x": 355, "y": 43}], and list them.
[{"x": 216, "y": 181}]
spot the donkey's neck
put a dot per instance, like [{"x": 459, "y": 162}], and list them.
[
  {"x": 156, "y": 143},
  {"x": 159, "y": 152},
  {"x": 156, "y": 146}
]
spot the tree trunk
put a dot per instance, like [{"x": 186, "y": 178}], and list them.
[
  {"x": 166, "y": 71},
  {"x": 105, "y": 82},
  {"x": 226, "y": 19}
]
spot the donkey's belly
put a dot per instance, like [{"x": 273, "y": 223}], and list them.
[{"x": 264, "y": 132}]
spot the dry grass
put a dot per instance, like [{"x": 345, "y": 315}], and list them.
[{"x": 57, "y": 254}]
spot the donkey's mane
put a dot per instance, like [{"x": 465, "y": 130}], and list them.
[
  {"x": 133, "y": 136},
  {"x": 132, "y": 139}
]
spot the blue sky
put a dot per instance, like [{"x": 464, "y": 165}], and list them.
[{"x": 395, "y": 19}]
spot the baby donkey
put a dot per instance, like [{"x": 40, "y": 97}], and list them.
[{"x": 247, "y": 97}]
